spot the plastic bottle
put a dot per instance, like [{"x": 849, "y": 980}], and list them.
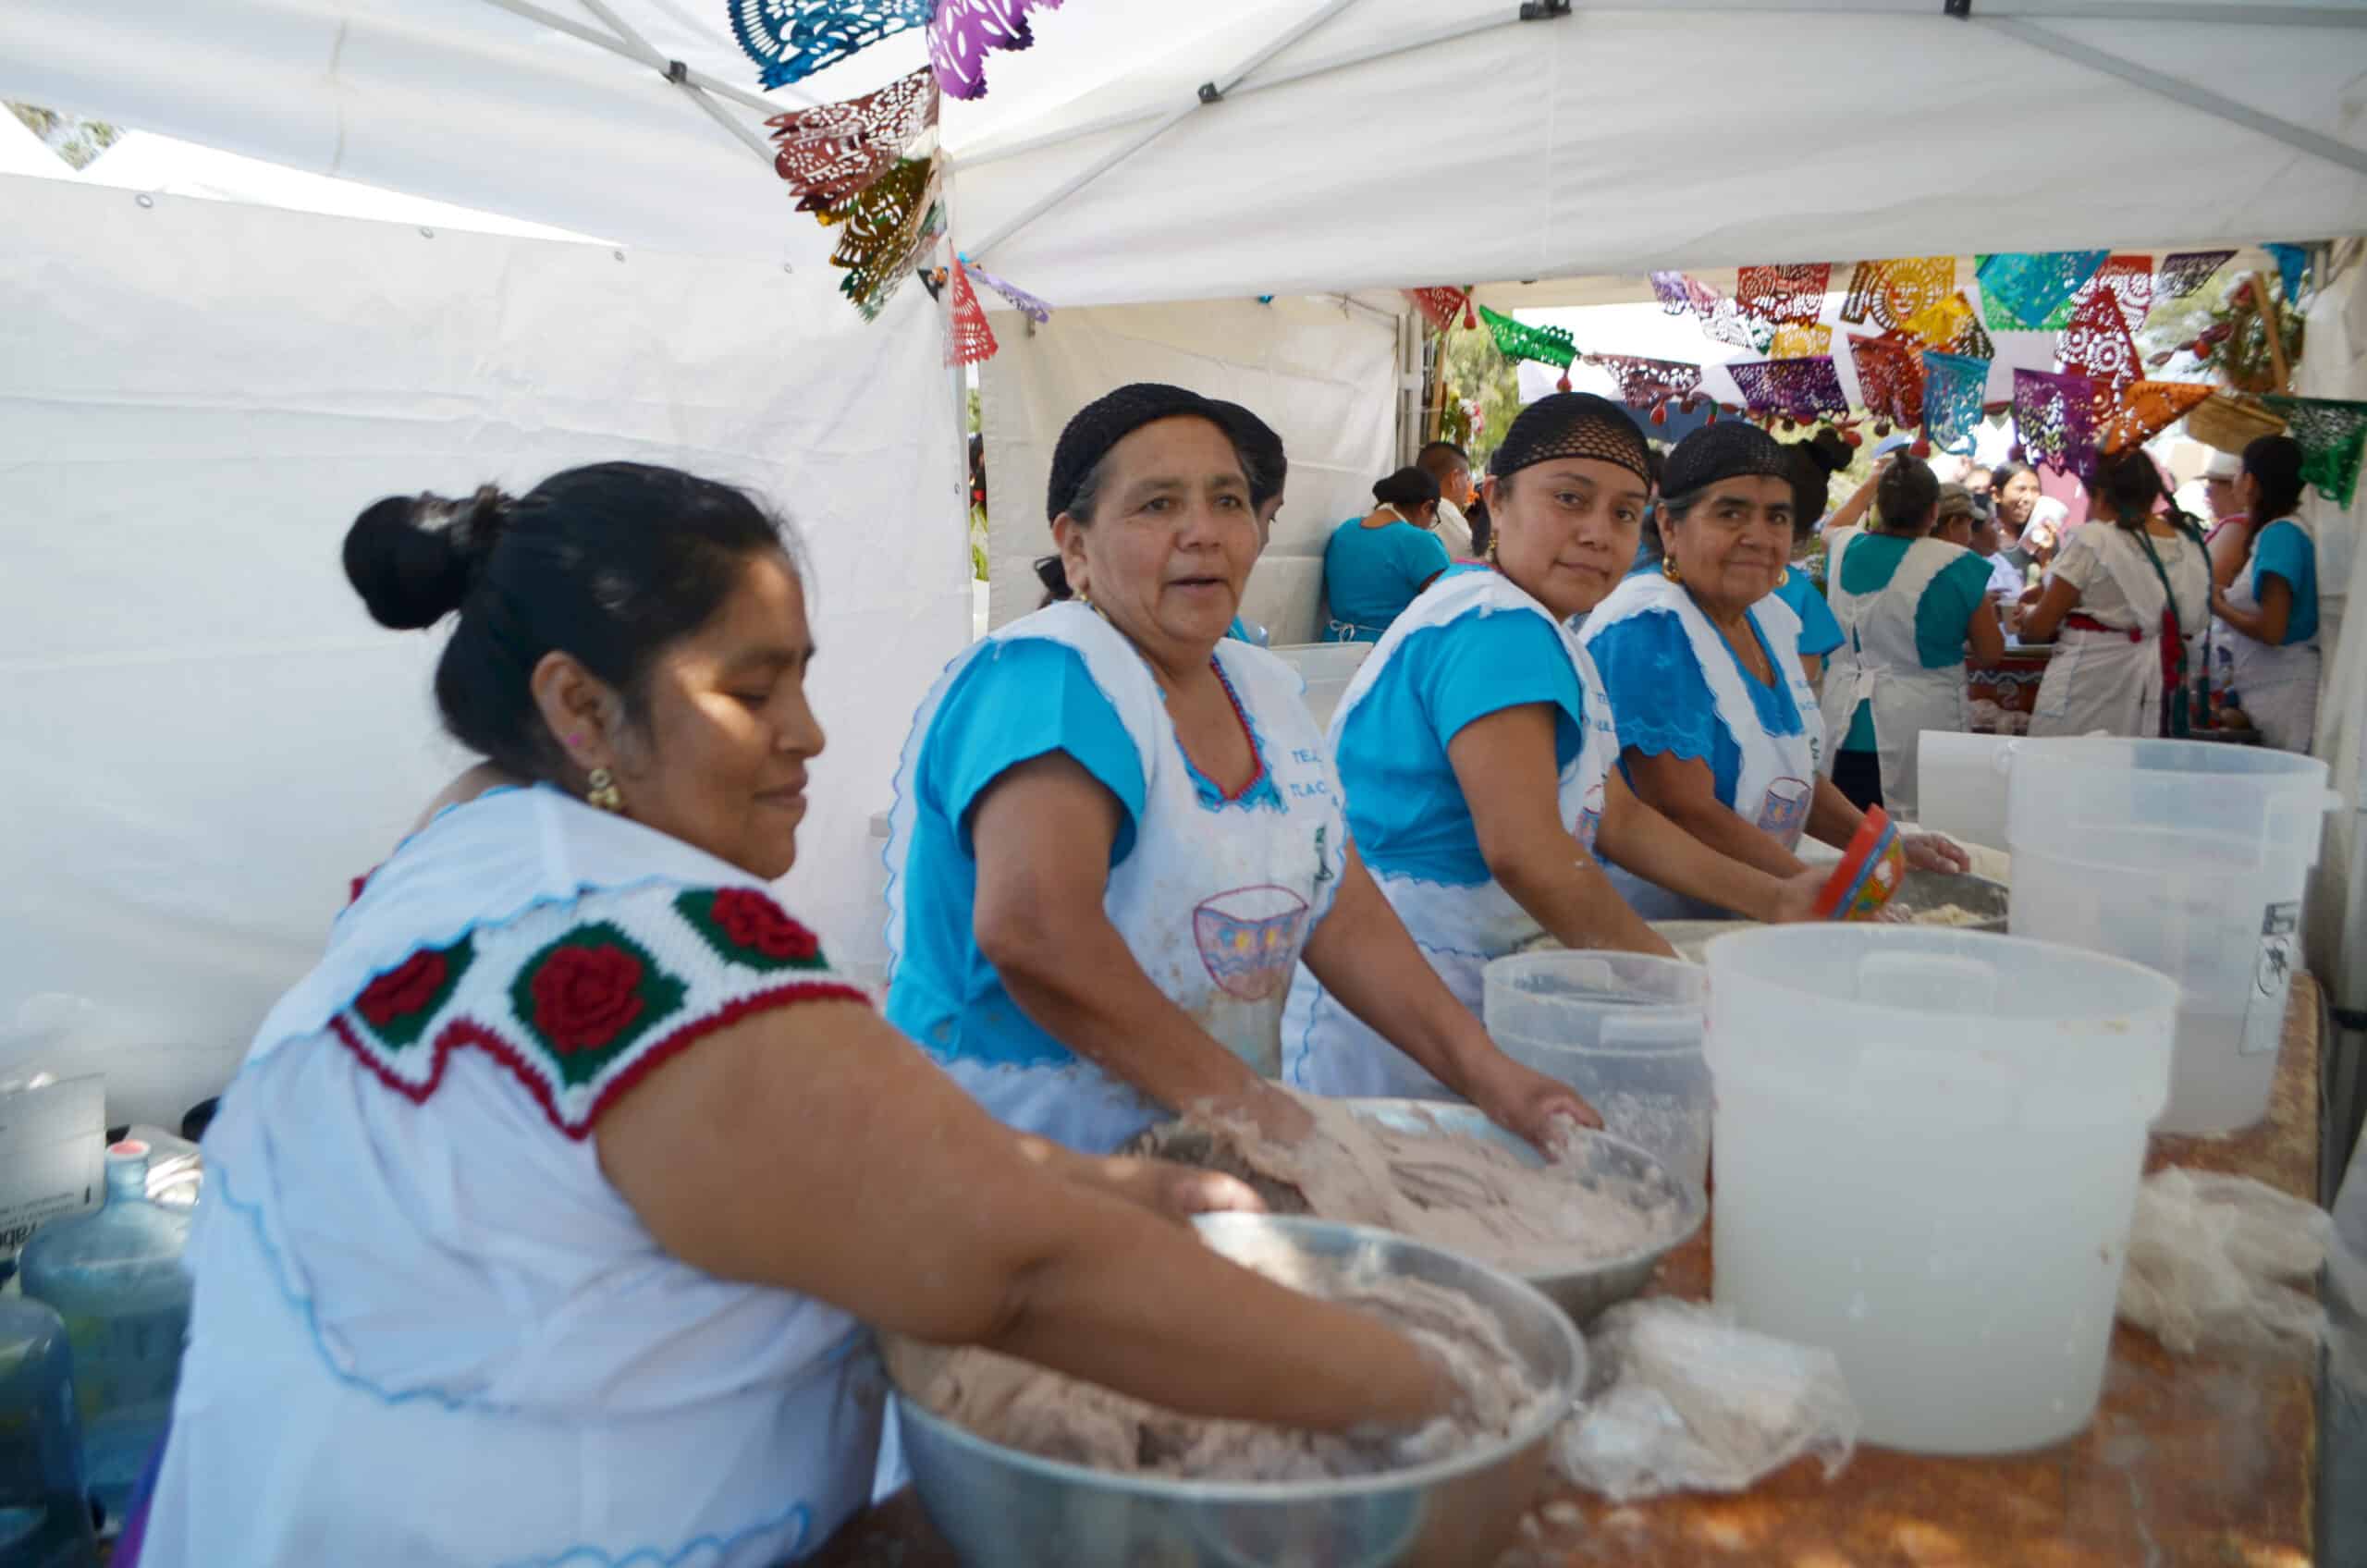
[
  {"x": 44, "y": 1508},
  {"x": 115, "y": 1277}
]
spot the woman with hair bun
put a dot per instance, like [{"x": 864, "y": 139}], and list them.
[
  {"x": 2267, "y": 638},
  {"x": 2124, "y": 592},
  {"x": 545, "y": 1218},
  {"x": 1376, "y": 564}
]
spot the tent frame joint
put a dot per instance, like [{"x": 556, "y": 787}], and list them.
[
  {"x": 1543, "y": 10},
  {"x": 1960, "y": 9},
  {"x": 1211, "y": 93}
]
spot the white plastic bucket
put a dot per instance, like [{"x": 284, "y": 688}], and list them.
[
  {"x": 2190, "y": 857},
  {"x": 1621, "y": 1029},
  {"x": 1929, "y": 1145},
  {"x": 1961, "y": 791},
  {"x": 1327, "y": 668}
]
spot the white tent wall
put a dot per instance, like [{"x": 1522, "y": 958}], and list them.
[
  {"x": 1321, "y": 371},
  {"x": 205, "y": 737}
]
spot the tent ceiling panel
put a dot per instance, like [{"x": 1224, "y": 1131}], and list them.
[{"x": 1690, "y": 133}]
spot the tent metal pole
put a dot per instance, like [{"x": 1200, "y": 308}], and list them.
[
  {"x": 2186, "y": 92},
  {"x": 1212, "y": 92},
  {"x": 616, "y": 45},
  {"x": 675, "y": 72}
]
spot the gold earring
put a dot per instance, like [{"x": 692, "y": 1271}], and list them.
[
  {"x": 1669, "y": 570},
  {"x": 1491, "y": 550},
  {"x": 603, "y": 792}
]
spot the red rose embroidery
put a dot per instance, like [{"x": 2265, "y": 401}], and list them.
[
  {"x": 755, "y": 921},
  {"x": 404, "y": 990},
  {"x": 585, "y": 997}
]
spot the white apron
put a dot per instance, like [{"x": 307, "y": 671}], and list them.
[
  {"x": 1776, "y": 788},
  {"x": 1328, "y": 1050},
  {"x": 1215, "y": 903},
  {"x": 1880, "y": 662},
  {"x": 2277, "y": 687},
  {"x": 2110, "y": 682}
]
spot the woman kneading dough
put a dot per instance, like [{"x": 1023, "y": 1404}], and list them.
[
  {"x": 1717, "y": 726},
  {"x": 543, "y": 1222},
  {"x": 1477, "y": 747},
  {"x": 1117, "y": 831}
]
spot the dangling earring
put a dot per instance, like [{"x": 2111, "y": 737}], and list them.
[
  {"x": 1669, "y": 570},
  {"x": 603, "y": 791},
  {"x": 1491, "y": 550}
]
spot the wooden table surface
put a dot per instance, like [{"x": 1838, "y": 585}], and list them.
[{"x": 2188, "y": 1463}]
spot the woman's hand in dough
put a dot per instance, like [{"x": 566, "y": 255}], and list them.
[
  {"x": 1798, "y": 901},
  {"x": 1929, "y": 852},
  {"x": 1176, "y": 1191},
  {"x": 1523, "y": 1100}
]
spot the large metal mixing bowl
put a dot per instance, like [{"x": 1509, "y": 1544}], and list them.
[
  {"x": 1003, "y": 1509},
  {"x": 1596, "y": 1161}
]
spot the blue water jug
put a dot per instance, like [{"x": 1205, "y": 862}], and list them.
[
  {"x": 115, "y": 1277},
  {"x": 44, "y": 1508}
]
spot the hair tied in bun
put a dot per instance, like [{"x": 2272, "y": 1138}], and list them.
[{"x": 413, "y": 558}]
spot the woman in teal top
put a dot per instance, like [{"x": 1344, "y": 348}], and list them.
[
  {"x": 2266, "y": 648},
  {"x": 1908, "y": 603},
  {"x": 1377, "y": 564}
]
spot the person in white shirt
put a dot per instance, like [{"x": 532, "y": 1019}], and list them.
[{"x": 2124, "y": 592}]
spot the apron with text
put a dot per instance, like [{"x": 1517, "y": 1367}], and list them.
[
  {"x": 1215, "y": 902},
  {"x": 1881, "y": 663},
  {"x": 1327, "y": 1050},
  {"x": 2277, "y": 687},
  {"x": 2109, "y": 680},
  {"x": 1776, "y": 788}
]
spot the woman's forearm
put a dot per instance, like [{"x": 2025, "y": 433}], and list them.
[
  {"x": 1572, "y": 898},
  {"x": 1365, "y": 957},
  {"x": 1079, "y": 982},
  {"x": 1715, "y": 824},
  {"x": 1644, "y": 841},
  {"x": 1832, "y": 819}
]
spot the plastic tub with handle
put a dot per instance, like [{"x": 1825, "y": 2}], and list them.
[
  {"x": 2187, "y": 857},
  {"x": 1621, "y": 1029},
  {"x": 1929, "y": 1147}
]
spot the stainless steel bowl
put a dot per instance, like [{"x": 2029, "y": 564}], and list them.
[
  {"x": 1599, "y": 1162},
  {"x": 1003, "y": 1509}
]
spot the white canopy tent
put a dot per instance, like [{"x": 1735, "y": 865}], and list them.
[{"x": 1147, "y": 155}]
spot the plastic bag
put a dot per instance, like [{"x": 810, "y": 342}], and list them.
[
  {"x": 2213, "y": 1262},
  {"x": 1680, "y": 1400}
]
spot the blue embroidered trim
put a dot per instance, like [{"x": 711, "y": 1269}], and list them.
[
  {"x": 1259, "y": 792},
  {"x": 797, "y": 1512}
]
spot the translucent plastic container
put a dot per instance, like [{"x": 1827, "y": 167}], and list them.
[
  {"x": 1327, "y": 668},
  {"x": 115, "y": 1277},
  {"x": 44, "y": 1506},
  {"x": 2190, "y": 857},
  {"x": 1962, "y": 786},
  {"x": 1621, "y": 1029},
  {"x": 1929, "y": 1147}
]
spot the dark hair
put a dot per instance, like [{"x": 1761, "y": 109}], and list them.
[
  {"x": 1409, "y": 489},
  {"x": 1906, "y": 495},
  {"x": 609, "y": 564},
  {"x": 1483, "y": 524},
  {"x": 2274, "y": 463},
  {"x": 1081, "y": 503},
  {"x": 1263, "y": 461},
  {"x": 1428, "y": 459},
  {"x": 2129, "y": 483},
  {"x": 2005, "y": 472},
  {"x": 1814, "y": 462}
]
